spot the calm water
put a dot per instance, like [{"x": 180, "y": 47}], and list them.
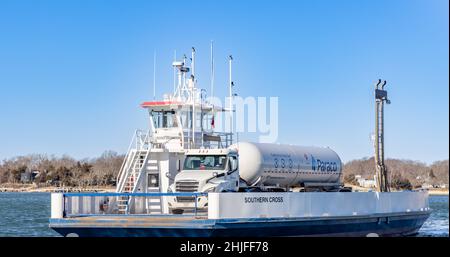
[{"x": 26, "y": 214}]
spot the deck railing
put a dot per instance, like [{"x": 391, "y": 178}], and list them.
[{"x": 95, "y": 204}]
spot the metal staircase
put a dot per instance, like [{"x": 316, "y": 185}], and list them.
[{"x": 132, "y": 169}]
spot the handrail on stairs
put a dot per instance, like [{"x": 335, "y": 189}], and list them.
[
  {"x": 130, "y": 157},
  {"x": 126, "y": 156}
]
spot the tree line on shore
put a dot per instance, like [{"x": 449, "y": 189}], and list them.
[
  {"x": 103, "y": 170},
  {"x": 63, "y": 171},
  {"x": 402, "y": 174}
]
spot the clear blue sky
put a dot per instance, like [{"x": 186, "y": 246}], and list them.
[{"x": 73, "y": 73}]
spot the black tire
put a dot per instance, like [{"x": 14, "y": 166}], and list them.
[{"x": 177, "y": 211}]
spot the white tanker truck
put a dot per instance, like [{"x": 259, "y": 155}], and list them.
[{"x": 255, "y": 167}]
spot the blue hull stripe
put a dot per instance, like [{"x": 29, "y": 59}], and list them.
[{"x": 393, "y": 225}]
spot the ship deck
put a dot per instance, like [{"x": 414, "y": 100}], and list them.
[{"x": 393, "y": 224}]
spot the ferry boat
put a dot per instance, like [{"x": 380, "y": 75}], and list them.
[{"x": 183, "y": 178}]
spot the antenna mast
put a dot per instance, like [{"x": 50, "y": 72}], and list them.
[
  {"x": 154, "y": 74},
  {"x": 193, "y": 96},
  {"x": 230, "y": 58},
  {"x": 381, "y": 171},
  {"x": 174, "y": 71},
  {"x": 193, "y": 62},
  {"x": 212, "y": 69}
]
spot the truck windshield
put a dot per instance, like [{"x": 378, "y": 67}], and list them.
[{"x": 205, "y": 162}]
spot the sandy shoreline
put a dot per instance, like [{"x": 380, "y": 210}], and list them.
[{"x": 50, "y": 189}]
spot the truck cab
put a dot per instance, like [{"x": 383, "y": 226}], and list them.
[{"x": 204, "y": 170}]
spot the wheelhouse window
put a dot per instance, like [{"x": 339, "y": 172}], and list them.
[
  {"x": 205, "y": 162},
  {"x": 164, "y": 119},
  {"x": 186, "y": 119}
]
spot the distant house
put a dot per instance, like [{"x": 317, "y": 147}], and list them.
[
  {"x": 25, "y": 177},
  {"x": 426, "y": 186},
  {"x": 367, "y": 183},
  {"x": 443, "y": 186},
  {"x": 29, "y": 176}
]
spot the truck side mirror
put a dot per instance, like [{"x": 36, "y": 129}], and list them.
[{"x": 233, "y": 164}]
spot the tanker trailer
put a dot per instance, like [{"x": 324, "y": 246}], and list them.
[{"x": 285, "y": 166}]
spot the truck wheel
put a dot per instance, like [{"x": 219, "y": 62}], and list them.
[{"x": 177, "y": 211}]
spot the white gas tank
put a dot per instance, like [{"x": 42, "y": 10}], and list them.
[{"x": 285, "y": 165}]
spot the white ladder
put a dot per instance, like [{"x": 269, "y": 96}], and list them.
[{"x": 131, "y": 179}]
